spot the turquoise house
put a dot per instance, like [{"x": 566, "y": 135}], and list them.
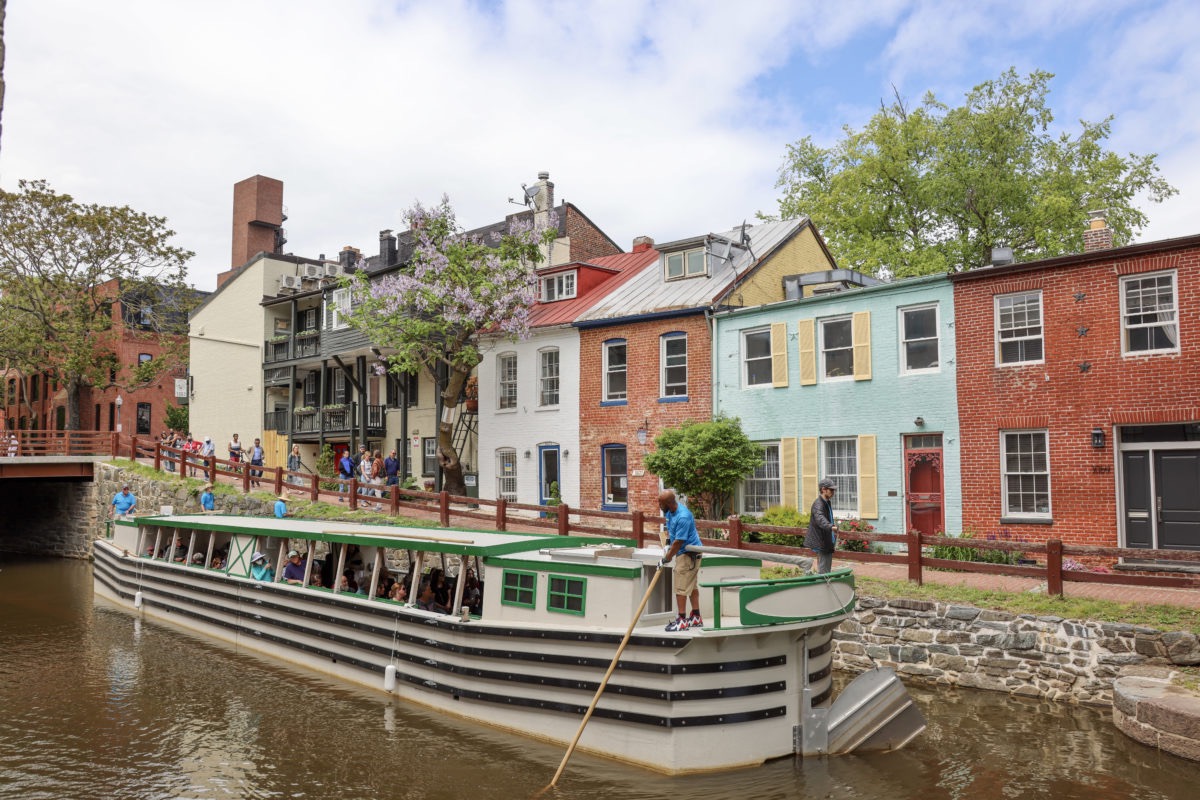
[{"x": 856, "y": 385}]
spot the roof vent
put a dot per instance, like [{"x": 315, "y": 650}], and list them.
[{"x": 1002, "y": 256}]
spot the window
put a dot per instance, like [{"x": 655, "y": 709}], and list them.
[
  {"x": 143, "y": 419},
  {"x": 756, "y": 357},
  {"x": 519, "y": 588},
  {"x": 558, "y": 287},
  {"x": 506, "y": 374},
  {"x": 1148, "y": 314},
  {"x": 615, "y": 478},
  {"x": 34, "y": 380},
  {"x": 673, "y": 361},
  {"x": 146, "y": 316},
  {"x": 841, "y": 467},
  {"x": 396, "y": 383},
  {"x": 1025, "y": 466},
  {"x": 837, "y": 347},
  {"x": 566, "y": 595},
  {"x": 338, "y": 387},
  {"x": 687, "y": 264},
  {"x": 548, "y": 378},
  {"x": 762, "y": 490},
  {"x": 429, "y": 456},
  {"x": 1019, "y": 328},
  {"x": 310, "y": 390},
  {"x": 506, "y": 474},
  {"x": 615, "y": 357},
  {"x": 306, "y": 319},
  {"x": 96, "y": 417},
  {"x": 144, "y": 358},
  {"x": 919, "y": 339},
  {"x": 337, "y": 309}
]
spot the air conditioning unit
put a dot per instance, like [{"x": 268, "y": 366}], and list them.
[
  {"x": 333, "y": 270},
  {"x": 289, "y": 282},
  {"x": 313, "y": 270}
]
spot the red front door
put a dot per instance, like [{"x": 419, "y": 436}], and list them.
[{"x": 923, "y": 482}]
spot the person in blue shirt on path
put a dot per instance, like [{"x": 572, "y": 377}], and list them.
[
  {"x": 123, "y": 503},
  {"x": 345, "y": 472},
  {"x": 681, "y": 533},
  {"x": 208, "y": 503},
  {"x": 280, "y": 507}
]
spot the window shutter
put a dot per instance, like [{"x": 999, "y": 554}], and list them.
[
  {"x": 807, "y": 329},
  {"x": 328, "y": 314},
  {"x": 808, "y": 472},
  {"x": 787, "y": 470},
  {"x": 779, "y": 365},
  {"x": 862, "y": 345},
  {"x": 868, "y": 479}
]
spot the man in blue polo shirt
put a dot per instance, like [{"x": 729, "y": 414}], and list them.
[
  {"x": 280, "y": 506},
  {"x": 681, "y": 533},
  {"x": 123, "y": 503}
]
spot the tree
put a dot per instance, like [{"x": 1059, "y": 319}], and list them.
[
  {"x": 705, "y": 461},
  {"x": 935, "y": 188},
  {"x": 176, "y": 418},
  {"x": 74, "y": 277},
  {"x": 456, "y": 286},
  {"x": 3, "y": 3}
]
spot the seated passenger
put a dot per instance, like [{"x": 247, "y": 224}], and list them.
[
  {"x": 293, "y": 570},
  {"x": 398, "y": 593},
  {"x": 198, "y": 558},
  {"x": 217, "y": 563},
  {"x": 473, "y": 593},
  {"x": 180, "y": 553},
  {"x": 441, "y": 588},
  {"x": 260, "y": 568},
  {"x": 426, "y": 601}
]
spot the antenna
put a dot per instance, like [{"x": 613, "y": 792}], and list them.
[{"x": 530, "y": 192}]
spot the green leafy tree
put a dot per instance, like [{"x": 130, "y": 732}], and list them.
[
  {"x": 705, "y": 461},
  {"x": 75, "y": 278},
  {"x": 327, "y": 466},
  {"x": 933, "y": 189},
  {"x": 176, "y": 418},
  {"x": 457, "y": 285}
]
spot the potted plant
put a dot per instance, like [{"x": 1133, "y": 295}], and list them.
[{"x": 471, "y": 395}]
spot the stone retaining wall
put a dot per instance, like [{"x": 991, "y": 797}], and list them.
[
  {"x": 181, "y": 495},
  {"x": 1047, "y": 657},
  {"x": 49, "y": 518}
]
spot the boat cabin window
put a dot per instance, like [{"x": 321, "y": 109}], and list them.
[
  {"x": 566, "y": 594},
  {"x": 519, "y": 588}
]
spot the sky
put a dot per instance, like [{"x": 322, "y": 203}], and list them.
[{"x": 666, "y": 119}]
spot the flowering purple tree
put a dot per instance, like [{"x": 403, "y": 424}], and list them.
[{"x": 426, "y": 316}]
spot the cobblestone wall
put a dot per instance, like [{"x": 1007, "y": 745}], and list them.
[{"x": 1033, "y": 656}]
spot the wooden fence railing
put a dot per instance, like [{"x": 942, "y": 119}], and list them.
[{"x": 913, "y": 550}]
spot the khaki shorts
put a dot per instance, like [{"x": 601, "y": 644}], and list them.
[{"x": 687, "y": 569}]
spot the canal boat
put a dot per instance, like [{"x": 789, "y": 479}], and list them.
[{"x": 755, "y": 683}]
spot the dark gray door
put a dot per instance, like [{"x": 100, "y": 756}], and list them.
[
  {"x": 1177, "y": 485},
  {"x": 1139, "y": 508}
]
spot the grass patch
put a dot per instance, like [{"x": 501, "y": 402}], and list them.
[{"x": 1159, "y": 617}]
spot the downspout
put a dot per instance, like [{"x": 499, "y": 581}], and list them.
[{"x": 712, "y": 351}]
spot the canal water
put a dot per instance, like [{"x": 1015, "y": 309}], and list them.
[{"x": 98, "y": 704}]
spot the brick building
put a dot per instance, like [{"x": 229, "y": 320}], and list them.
[
  {"x": 1079, "y": 395},
  {"x": 646, "y": 347}
]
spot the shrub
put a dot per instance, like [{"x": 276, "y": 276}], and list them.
[
  {"x": 780, "y": 516},
  {"x": 846, "y": 538},
  {"x": 968, "y": 553}
]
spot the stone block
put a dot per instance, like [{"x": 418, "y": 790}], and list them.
[
  {"x": 923, "y": 637},
  {"x": 987, "y": 615},
  {"x": 1119, "y": 660},
  {"x": 918, "y": 669},
  {"x": 851, "y": 648},
  {"x": 962, "y": 612},
  {"x": 1114, "y": 645},
  {"x": 1129, "y": 726},
  {"x": 912, "y": 655},
  {"x": 1006, "y": 664},
  {"x": 947, "y": 661},
  {"x": 1182, "y": 648},
  {"x": 1176, "y": 711},
  {"x": 1150, "y": 647},
  {"x": 1181, "y": 746},
  {"x": 970, "y": 650},
  {"x": 953, "y": 637},
  {"x": 913, "y": 605}
]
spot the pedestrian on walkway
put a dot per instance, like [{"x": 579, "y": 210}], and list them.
[
  {"x": 257, "y": 458},
  {"x": 820, "y": 536},
  {"x": 294, "y": 464},
  {"x": 13, "y": 445}
]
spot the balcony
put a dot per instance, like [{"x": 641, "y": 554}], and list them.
[
  {"x": 306, "y": 344},
  {"x": 330, "y": 420}
]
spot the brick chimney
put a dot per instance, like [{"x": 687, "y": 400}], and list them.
[
  {"x": 349, "y": 258},
  {"x": 1098, "y": 236},
  {"x": 642, "y": 243},
  {"x": 257, "y": 215},
  {"x": 387, "y": 248}
]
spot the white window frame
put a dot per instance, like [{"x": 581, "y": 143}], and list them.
[
  {"x": 1041, "y": 336},
  {"x": 846, "y": 482},
  {"x": 1174, "y": 311},
  {"x": 560, "y": 286},
  {"x": 665, "y": 364},
  {"x": 609, "y": 370},
  {"x": 768, "y": 358},
  {"x": 763, "y": 475},
  {"x": 606, "y": 502},
  {"x": 1006, "y": 510},
  {"x": 902, "y": 323},
  {"x": 686, "y": 261},
  {"x": 549, "y": 384},
  {"x": 506, "y": 383},
  {"x": 338, "y": 309},
  {"x": 429, "y": 453},
  {"x": 506, "y": 485},
  {"x": 823, "y": 351}
]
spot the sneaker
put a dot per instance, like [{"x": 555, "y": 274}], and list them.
[
  {"x": 679, "y": 624},
  {"x": 695, "y": 621}
]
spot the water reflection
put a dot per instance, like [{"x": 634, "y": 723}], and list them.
[{"x": 98, "y": 705}]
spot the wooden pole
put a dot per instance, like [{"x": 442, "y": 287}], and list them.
[{"x": 604, "y": 682}]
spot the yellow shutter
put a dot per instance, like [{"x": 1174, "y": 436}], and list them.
[
  {"x": 808, "y": 472},
  {"x": 787, "y": 471},
  {"x": 779, "y": 369},
  {"x": 807, "y": 334},
  {"x": 862, "y": 345},
  {"x": 868, "y": 479}
]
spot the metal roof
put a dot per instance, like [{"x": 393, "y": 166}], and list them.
[
  {"x": 623, "y": 266},
  {"x": 648, "y": 291}
]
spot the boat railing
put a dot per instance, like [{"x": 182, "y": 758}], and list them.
[{"x": 733, "y": 599}]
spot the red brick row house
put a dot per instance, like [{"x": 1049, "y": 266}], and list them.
[{"x": 1079, "y": 395}]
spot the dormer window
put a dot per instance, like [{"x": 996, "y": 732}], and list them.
[
  {"x": 558, "y": 287},
  {"x": 686, "y": 264}
]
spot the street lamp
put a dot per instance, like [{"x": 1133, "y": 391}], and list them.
[{"x": 120, "y": 401}]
